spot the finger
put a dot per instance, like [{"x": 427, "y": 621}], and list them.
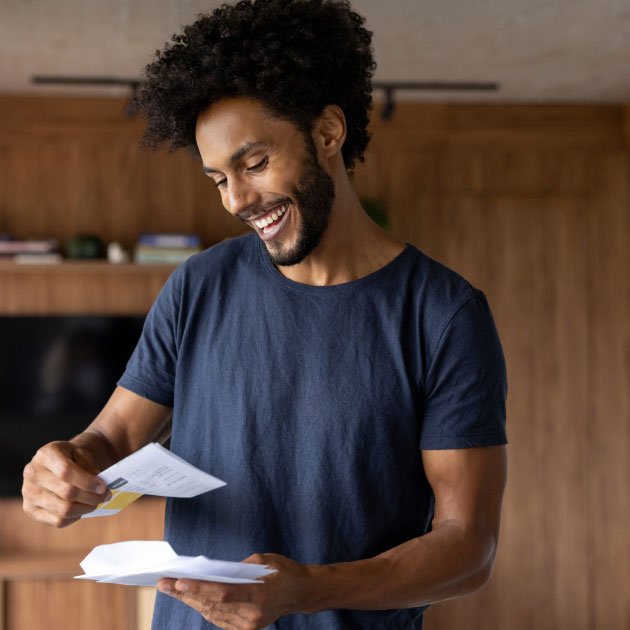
[
  {"x": 54, "y": 520},
  {"x": 43, "y": 498},
  {"x": 225, "y": 599},
  {"x": 43, "y": 479},
  {"x": 218, "y": 592},
  {"x": 212, "y": 591},
  {"x": 34, "y": 497},
  {"x": 225, "y": 615},
  {"x": 214, "y": 613},
  {"x": 240, "y": 616},
  {"x": 256, "y": 558},
  {"x": 207, "y": 609},
  {"x": 205, "y": 596},
  {"x": 59, "y": 461}
]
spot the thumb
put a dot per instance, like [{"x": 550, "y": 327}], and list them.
[{"x": 257, "y": 558}]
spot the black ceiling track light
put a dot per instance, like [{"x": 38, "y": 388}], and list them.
[
  {"x": 133, "y": 84},
  {"x": 445, "y": 86},
  {"x": 387, "y": 86},
  {"x": 60, "y": 80}
]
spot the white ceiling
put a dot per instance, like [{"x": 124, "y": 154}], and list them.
[{"x": 538, "y": 50}]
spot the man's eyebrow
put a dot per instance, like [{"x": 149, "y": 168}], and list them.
[{"x": 237, "y": 155}]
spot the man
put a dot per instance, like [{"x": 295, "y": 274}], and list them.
[{"x": 350, "y": 390}]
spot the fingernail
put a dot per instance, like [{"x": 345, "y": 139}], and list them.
[
  {"x": 165, "y": 588},
  {"x": 183, "y": 587}
]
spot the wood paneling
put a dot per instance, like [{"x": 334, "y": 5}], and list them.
[
  {"x": 530, "y": 203},
  {"x": 522, "y": 253},
  {"x": 19, "y": 565},
  {"x": 141, "y": 521},
  {"x": 70, "y": 166},
  {"x": 458, "y": 126},
  {"x": 67, "y": 604},
  {"x": 609, "y": 392},
  {"x": 539, "y": 222},
  {"x": 77, "y": 288},
  {"x": 37, "y": 564}
]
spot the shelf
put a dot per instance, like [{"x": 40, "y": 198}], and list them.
[
  {"x": 83, "y": 266},
  {"x": 80, "y": 287},
  {"x": 43, "y": 565}
]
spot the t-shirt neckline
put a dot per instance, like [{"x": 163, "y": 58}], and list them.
[{"x": 390, "y": 267}]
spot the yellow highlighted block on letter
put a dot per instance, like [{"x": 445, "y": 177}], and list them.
[{"x": 119, "y": 500}]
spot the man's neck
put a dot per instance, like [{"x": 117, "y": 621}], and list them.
[{"x": 352, "y": 247}]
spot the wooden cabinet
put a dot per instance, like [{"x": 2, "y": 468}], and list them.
[{"x": 37, "y": 562}]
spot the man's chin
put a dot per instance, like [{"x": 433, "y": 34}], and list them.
[{"x": 282, "y": 256}]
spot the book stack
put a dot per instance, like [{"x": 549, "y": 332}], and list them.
[
  {"x": 30, "y": 251},
  {"x": 170, "y": 249}
]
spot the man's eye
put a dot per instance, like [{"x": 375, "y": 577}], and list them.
[
  {"x": 221, "y": 183},
  {"x": 259, "y": 166}
]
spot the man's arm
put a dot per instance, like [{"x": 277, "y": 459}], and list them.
[
  {"x": 454, "y": 559},
  {"x": 60, "y": 482}
]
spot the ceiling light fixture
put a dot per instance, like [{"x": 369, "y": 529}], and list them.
[
  {"x": 387, "y": 86},
  {"x": 452, "y": 86}
]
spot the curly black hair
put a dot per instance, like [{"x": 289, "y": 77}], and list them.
[{"x": 293, "y": 56}]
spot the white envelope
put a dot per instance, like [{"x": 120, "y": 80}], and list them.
[
  {"x": 144, "y": 562},
  {"x": 152, "y": 470}
]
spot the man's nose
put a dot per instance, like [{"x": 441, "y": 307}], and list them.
[{"x": 240, "y": 196}]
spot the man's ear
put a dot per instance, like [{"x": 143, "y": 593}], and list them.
[{"x": 329, "y": 131}]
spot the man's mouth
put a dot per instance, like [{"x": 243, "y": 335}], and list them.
[{"x": 271, "y": 223}]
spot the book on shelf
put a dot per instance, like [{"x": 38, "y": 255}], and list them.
[
  {"x": 172, "y": 249},
  {"x": 170, "y": 241},
  {"x": 30, "y": 246},
  {"x": 164, "y": 255},
  {"x": 38, "y": 259}
]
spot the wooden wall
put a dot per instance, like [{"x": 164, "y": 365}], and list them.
[
  {"x": 532, "y": 205},
  {"x": 70, "y": 166}
]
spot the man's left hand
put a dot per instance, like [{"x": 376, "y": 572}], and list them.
[{"x": 246, "y": 606}]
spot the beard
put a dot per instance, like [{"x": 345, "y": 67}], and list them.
[{"x": 313, "y": 198}]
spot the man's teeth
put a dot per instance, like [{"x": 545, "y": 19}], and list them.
[{"x": 274, "y": 216}]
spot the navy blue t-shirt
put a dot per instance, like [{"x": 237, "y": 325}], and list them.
[{"x": 313, "y": 404}]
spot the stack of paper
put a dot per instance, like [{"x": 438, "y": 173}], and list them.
[
  {"x": 144, "y": 562},
  {"x": 152, "y": 470},
  {"x": 155, "y": 470}
]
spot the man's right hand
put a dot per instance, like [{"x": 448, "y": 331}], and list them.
[{"x": 60, "y": 484}]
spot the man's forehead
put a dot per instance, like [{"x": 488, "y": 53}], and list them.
[
  {"x": 232, "y": 128},
  {"x": 234, "y": 114}
]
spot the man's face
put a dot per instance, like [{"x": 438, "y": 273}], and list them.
[{"x": 268, "y": 175}]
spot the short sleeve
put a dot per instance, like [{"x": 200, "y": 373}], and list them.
[
  {"x": 150, "y": 372},
  {"x": 466, "y": 384}
]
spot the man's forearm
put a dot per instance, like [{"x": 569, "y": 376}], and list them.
[
  {"x": 445, "y": 563},
  {"x": 125, "y": 424}
]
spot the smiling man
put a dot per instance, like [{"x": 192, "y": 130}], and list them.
[
  {"x": 349, "y": 389},
  {"x": 291, "y": 224}
]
